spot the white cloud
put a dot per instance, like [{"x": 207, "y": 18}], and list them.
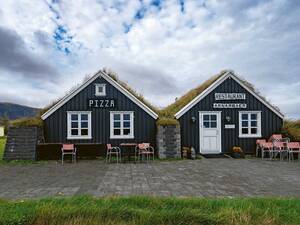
[{"x": 258, "y": 39}]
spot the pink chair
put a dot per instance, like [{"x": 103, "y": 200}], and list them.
[
  {"x": 113, "y": 151},
  {"x": 258, "y": 145},
  {"x": 68, "y": 149},
  {"x": 144, "y": 150},
  {"x": 280, "y": 148},
  {"x": 275, "y": 137},
  {"x": 266, "y": 147},
  {"x": 293, "y": 147}
]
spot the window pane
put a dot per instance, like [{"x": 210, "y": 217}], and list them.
[
  {"x": 84, "y": 124},
  {"x": 253, "y": 116},
  {"x": 244, "y": 116},
  {"x": 126, "y": 124},
  {"x": 213, "y": 124},
  {"x": 74, "y": 125},
  {"x": 253, "y": 123},
  {"x": 74, "y": 117},
  {"x": 253, "y": 130},
  {"x": 205, "y": 117},
  {"x": 244, "y": 130},
  {"x": 244, "y": 123},
  {"x": 74, "y": 132},
  {"x": 84, "y": 132},
  {"x": 117, "y": 131},
  {"x": 117, "y": 117},
  {"x": 213, "y": 117},
  {"x": 126, "y": 131},
  {"x": 206, "y": 124},
  {"x": 84, "y": 116},
  {"x": 117, "y": 124},
  {"x": 100, "y": 89},
  {"x": 126, "y": 117}
]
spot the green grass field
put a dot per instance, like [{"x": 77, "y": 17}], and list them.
[
  {"x": 146, "y": 210},
  {"x": 2, "y": 145}
]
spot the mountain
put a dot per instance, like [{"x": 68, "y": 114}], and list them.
[{"x": 15, "y": 111}]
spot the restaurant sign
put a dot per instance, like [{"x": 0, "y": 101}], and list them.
[
  {"x": 230, "y": 105},
  {"x": 230, "y": 96},
  {"x": 102, "y": 103}
]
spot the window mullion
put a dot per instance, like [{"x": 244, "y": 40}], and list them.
[
  {"x": 79, "y": 124},
  {"x": 121, "y": 125}
]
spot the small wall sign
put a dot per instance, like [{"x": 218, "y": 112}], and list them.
[
  {"x": 230, "y": 105},
  {"x": 102, "y": 103},
  {"x": 229, "y": 126},
  {"x": 230, "y": 96}
]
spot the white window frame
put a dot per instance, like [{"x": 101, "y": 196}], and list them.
[
  {"x": 249, "y": 135},
  {"x": 121, "y": 136},
  {"x": 79, "y": 136},
  {"x": 97, "y": 93}
]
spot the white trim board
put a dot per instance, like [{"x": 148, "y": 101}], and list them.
[
  {"x": 88, "y": 82},
  {"x": 215, "y": 85}
]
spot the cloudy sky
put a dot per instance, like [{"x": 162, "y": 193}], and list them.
[{"x": 161, "y": 48}]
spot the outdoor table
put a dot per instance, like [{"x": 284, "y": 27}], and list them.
[{"x": 128, "y": 149}]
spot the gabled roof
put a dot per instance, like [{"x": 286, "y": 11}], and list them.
[
  {"x": 114, "y": 82},
  {"x": 215, "y": 82}
]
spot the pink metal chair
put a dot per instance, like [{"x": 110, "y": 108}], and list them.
[
  {"x": 258, "y": 145},
  {"x": 150, "y": 151},
  {"x": 275, "y": 137},
  {"x": 266, "y": 147},
  {"x": 68, "y": 149},
  {"x": 293, "y": 147},
  {"x": 113, "y": 151},
  {"x": 144, "y": 150},
  {"x": 280, "y": 148}
]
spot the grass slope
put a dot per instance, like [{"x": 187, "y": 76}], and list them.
[
  {"x": 2, "y": 146},
  {"x": 152, "y": 211}
]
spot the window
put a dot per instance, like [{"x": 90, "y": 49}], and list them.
[
  {"x": 250, "y": 124},
  {"x": 79, "y": 125},
  {"x": 100, "y": 89},
  {"x": 121, "y": 125},
  {"x": 210, "y": 121}
]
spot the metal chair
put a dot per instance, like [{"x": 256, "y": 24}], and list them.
[
  {"x": 266, "y": 147},
  {"x": 258, "y": 145},
  {"x": 279, "y": 147},
  {"x": 68, "y": 149},
  {"x": 293, "y": 147},
  {"x": 150, "y": 151},
  {"x": 143, "y": 150},
  {"x": 113, "y": 151}
]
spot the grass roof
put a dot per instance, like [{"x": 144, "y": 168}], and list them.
[
  {"x": 140, "y": 97},
  {"x": 173, "y": 108}
]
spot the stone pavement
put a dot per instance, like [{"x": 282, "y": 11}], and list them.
[{"x": 201, "y": 178}]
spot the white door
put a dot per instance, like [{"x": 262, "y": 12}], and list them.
[{"x": 210, "y": 132}]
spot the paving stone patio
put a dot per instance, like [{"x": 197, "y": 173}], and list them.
[{"x": 202, "y": 178}]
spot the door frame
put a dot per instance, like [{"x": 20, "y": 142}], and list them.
[{"x": 219, "y": 116}]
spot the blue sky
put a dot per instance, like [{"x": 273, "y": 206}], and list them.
[{"x": 161, "y": 48}]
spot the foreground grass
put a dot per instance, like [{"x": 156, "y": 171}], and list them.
[{"x": 147, "y": 210}]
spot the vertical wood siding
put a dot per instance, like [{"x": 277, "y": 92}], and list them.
[
  {"x": 270, "y": 122},
  {"x": 56, "y": 124}
]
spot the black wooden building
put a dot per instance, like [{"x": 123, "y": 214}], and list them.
[
  {"x": 228, "y": 113},
  {"x": 102, "y": 110}
]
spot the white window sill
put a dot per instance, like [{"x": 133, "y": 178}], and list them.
[
  {"x": 121, "y": 137},
  {"x": 79, "y": 137},
  {"x": 250, "y": 136}
]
